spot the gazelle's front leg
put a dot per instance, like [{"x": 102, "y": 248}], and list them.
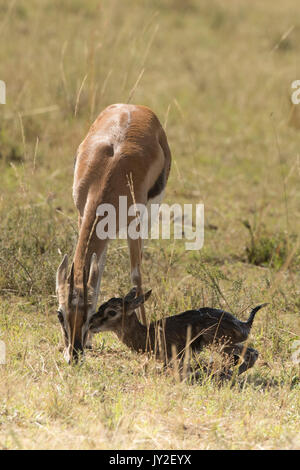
[
  {"x": 102, "y": 261},
  {"x": 135, "y": 251}
]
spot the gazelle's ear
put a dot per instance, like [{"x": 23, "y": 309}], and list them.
[
  {"x": 94, "y": 272},
  {"x": 135, "y": 303},
  {"x": 61, "y": 274},
  {"x": 131, "y": 295}
]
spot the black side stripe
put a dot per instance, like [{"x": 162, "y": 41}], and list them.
[{"x": 158, "y": 186}]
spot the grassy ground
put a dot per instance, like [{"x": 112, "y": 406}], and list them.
[{"x": 218, "y": 75}]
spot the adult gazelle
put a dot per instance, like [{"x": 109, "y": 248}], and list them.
[{"x": 125, "y": 153}]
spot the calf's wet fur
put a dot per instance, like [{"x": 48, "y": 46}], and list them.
[{"x": 193, "y": 329}]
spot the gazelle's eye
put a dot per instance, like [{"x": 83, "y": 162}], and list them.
[{"x": 111, "y": 313}]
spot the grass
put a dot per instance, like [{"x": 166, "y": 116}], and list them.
[
  {"x": 273, "y": 250},
  {"x": 218, "y": 75}
]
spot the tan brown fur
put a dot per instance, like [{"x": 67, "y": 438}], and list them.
[
  {"x": 126, "y": 144},
  {"x": 101, "y": 177}
]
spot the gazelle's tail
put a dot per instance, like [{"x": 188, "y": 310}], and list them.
[{"x": 253, "y": 313}]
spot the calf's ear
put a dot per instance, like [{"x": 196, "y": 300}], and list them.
[
  {"x": 135, "y": 303},
  {"x": 131, "y": 295}
]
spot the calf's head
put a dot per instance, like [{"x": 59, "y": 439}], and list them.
[{"x": 112, "y": 313}]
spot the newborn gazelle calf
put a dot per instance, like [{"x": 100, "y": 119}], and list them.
[{"x": 203, "y": 326}]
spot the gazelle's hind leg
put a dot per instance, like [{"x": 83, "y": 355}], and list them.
[
  {"x": 248, "y": 355},
  {"x": 237, "y": 352},
  {"x": 135, "y": 251},
  {"x": 102, "y": 262}
]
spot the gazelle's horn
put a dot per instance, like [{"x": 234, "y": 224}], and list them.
[
  {"x": 71, "y": 285},
  {"x": 85, "y": 307}
]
